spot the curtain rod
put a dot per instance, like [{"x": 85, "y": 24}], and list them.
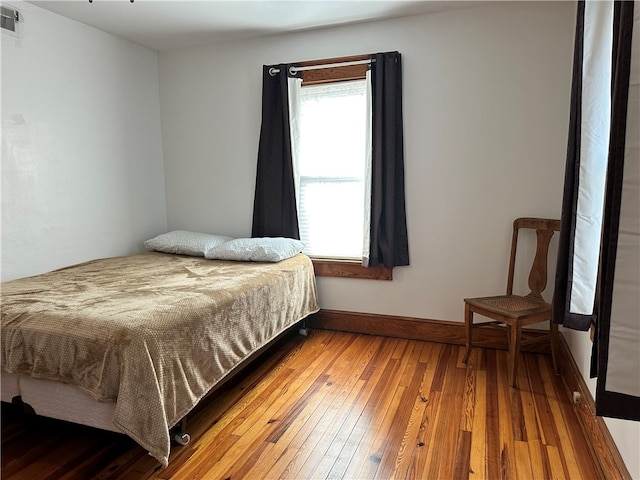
[{"x": 293, "y": 69}]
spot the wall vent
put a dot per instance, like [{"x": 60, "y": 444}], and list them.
[{"x": 10, "y": 19}]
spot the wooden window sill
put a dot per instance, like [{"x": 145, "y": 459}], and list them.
[{"x": 350, "y": 269}]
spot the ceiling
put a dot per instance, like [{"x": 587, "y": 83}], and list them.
[{"x": 164, "y": 24}]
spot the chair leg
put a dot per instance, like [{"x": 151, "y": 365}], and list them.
[
  {"x": 514, "y": 352},
  {"x": 468, "y": 326},
  {"x": 553, "y": 329}
]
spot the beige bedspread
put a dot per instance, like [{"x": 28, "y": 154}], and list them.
[{"x": 152, "y": 332}]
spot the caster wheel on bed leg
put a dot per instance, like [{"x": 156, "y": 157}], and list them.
[{"x": 182, "y": 438}]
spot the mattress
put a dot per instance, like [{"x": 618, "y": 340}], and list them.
[{"x": 151, "y": 333}]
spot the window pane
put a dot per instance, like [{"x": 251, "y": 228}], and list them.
[
  {"x": 331, "y": 164},
  {"x": 331, "y": 225},
  {"x": 332, "y": 127}
]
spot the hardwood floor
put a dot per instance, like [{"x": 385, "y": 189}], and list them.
[{"x": 340, "y": 405}]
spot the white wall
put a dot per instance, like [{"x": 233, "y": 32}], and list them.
[
  {"x": 82, "y": 165},
  {"x": 486, "y": 110}
]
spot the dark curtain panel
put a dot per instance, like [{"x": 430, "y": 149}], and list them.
[
  {"x": 389, "y": 243},
  {"x": 564, "y": 275},
  {"x": 274, "y": 205},
  {"x": 612, "y": 403},
  {"x": 614, "y": 359}
]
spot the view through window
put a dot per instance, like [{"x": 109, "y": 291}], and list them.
[{"x": 331, "y": 168}]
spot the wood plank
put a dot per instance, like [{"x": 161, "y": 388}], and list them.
[
  {"x": 477, "y": 460},
  {"x": 463, "y": 455},
  {"x": 450, "y": 385},
  {"x": 506, "y": 407},
  {"x": 455, "y": 449},
  {"x": 428, "y": 408},
  {"x": 492, "y": 422},
  {"x": 469, "y": 394},
  {"x": 427, "y": 441},
  {"x": 523, "y": 463},
  {"x": 555, "y": 462},
  {"x": 530, "y": 423},
  {"x": 548, "y": 433},
  {"x": 540, "y": 467},
  {"x": 402, "y": 438}
]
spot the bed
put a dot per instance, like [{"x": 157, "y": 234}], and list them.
[{"x": 133, "y": 343}]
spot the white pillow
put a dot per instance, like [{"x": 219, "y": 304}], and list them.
[
  {"x": 185, "y": 243},
  {"x": 259, "y": 249}
]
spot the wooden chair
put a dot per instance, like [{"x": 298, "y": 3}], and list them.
[{"x": 517, "y": 311}]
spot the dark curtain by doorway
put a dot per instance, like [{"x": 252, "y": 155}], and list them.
[
  {"x": 561, "y": 310},
  {"x": 615, "y": 308},
  {"x": 274, "y": 204},
  {"x": 617, "y": 393},
  {"x": 388, "y": 242}
]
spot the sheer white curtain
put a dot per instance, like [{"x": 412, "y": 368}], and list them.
[
  {"x": 294, "y": 85},
  {"x": 367, "y": 177},
  {"x": 594, "y": 150}
]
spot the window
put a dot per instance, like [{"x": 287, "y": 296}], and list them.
[
  {"x": 330, "y": 170},
  {"x": 298, "y": 179}
]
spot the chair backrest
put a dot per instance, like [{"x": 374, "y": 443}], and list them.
[{"x": 544, "y": 228}]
